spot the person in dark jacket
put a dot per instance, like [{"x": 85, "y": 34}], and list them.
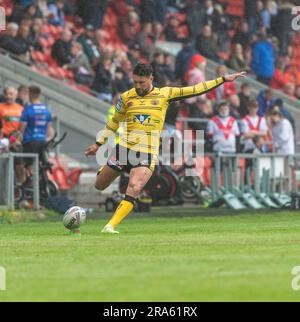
[
  {"x": 61, "y": 50},
  {"x": 207, "y": 44},
  {"x": 183, "y": 60},
  {"x": 103, "y": 83},
  {"x": 245, "y": 96},
  {"x": 90, "y": 46},
  {"x": 8, "y": 39},
  {"x": 265, "y": 100},
  {"x": 283, "y": 26},
  {"x": 93, "y": 11}
]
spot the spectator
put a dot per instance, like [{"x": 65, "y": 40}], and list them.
[
  {"x": 158, "y": 64},
  {"x": 23, "y": 49},
  {"x": 103, "y": 83},
  {"x": 281, "y": 76},
  {"x": 264, "y": 17},
  {"x": 129, "y": 28},
  {"x": 23, "y": 95},
  {"x": 171, "y": 31},
  {"x": 202, "y": 109},
  {"x": 121, "y": 83},
  {"x": 57, "y": 14},
  {"x": 207, "y": 44},
  {"x": 36, "y": 34},
  {"x": 35, "y": 126},
  {"x": 43, "y": 7},
  {"x": 283, "y": 25},
  {"x": 90, "y": 46},
  {"x": 145, "y": 40},
  {"x": 10, "y": 112},
  {"x": 8, "y": 40},
  {"x": 285, "y": 112},
  {"x": 265, "y": 100},
  {"x": 80, "y": 65},
  {"x": 282, "y": 133},
  {"x": 169, "y": 67},
  {"x": 150, "y": 11},
  {"x": 223, "y": 129},
  {"x": 61, "y": 50},
  {"x": 158, "y": 32},
  {"x": 252, "y": 126},
  {"x": 32, "y": 12},
  {"x": 263, "y": 60},
  {"x": 196, "y": 72},
  {"x": 175, "y": 6},
  {"x": 237, "y": 60},
  {"x": 244, "y": 95},
  {"x": 134, "y": 54},
  {"x": 243, "y": 35},
  {"x": 289, "y": 89},
  {"x": 195, "y": 17},
  {"x": 93, "y": 11},
  {"x": 234, "y": 104},
  {"x": 220, "y": 23},
  {"x": 224, "y": 91},
  {"x": 196, "y": 75},
  {"x": 183, "y": 60},
  {"x": 251, "y": 15}
]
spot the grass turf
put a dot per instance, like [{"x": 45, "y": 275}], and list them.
[{"x": 207, "y": 258}]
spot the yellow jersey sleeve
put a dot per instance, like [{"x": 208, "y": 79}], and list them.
[
  {"x": 179, "y": 93},
  {"x": 114, "y": 122}
]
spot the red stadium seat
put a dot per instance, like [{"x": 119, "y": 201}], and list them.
[{"x": 38, "y": 56}]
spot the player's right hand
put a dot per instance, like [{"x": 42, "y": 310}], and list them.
[{"x": 91, "y": 150}]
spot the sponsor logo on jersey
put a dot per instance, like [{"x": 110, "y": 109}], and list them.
[
  {"x": 142, "y": 118},
  {"x": 119, "y": 104}
]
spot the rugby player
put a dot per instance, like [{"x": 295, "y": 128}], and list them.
[{"x": 143, "y": 110}]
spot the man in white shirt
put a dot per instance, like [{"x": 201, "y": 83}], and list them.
[
  {"x": 223, "y": 129},
  {"x": 282, "y": 133},
  {"x": 252, "y": 126}
]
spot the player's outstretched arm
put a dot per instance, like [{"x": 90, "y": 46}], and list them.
[
  {"x": 233, "y": 77},
  {"x": 179, "y": 93}
]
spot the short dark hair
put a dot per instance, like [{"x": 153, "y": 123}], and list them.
[
  {"x": 34, "y": 92},
  {"x": 253, "y": 103},
  {"x": 145, "y": 70},
  {"x": 222, "y": 103}
]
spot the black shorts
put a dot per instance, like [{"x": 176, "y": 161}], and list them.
[
  {"x": 124, "y": 159},
  {"x": 36, "y": 147}
]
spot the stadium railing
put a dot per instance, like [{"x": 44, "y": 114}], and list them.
[
  {"x": 8, "y": 184},
  {"x": 253, "y": 181}
]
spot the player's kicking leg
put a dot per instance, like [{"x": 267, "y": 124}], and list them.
[
  {"x": 105, "y": 177},
  {"x": 138, "y": 178}
]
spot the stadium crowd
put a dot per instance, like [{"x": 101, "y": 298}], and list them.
[{"x": 93, "y": 45}]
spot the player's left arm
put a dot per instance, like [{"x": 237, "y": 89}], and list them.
[{"x": 179, "y": 93}]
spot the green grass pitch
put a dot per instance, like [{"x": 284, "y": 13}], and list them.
[{"x": 246, "y": 257}]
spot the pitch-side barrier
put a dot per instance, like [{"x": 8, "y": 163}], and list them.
[{"x": 8, "y": 187}]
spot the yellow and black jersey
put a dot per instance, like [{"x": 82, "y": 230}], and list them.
[{"x": 143, "y": 116}]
